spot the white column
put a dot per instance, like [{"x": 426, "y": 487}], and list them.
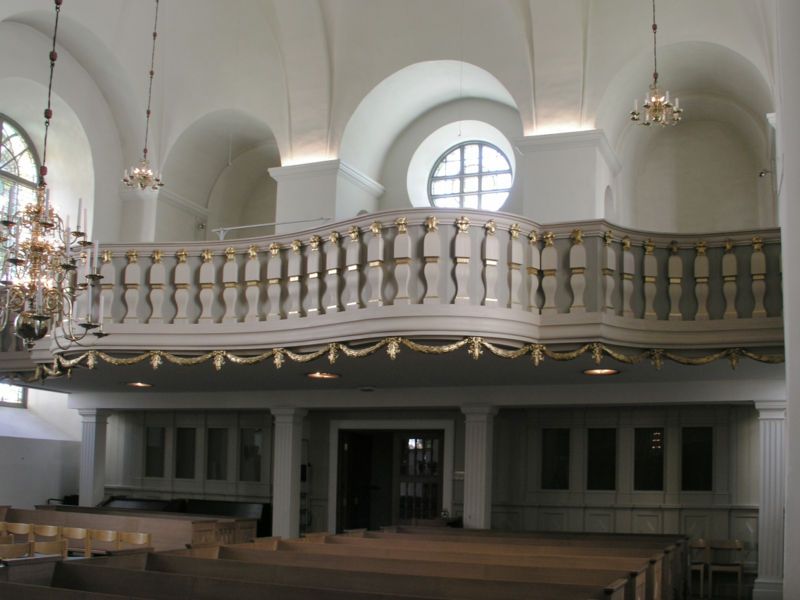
[
  {"x": 478, "y": 456},
  {"x": 93, "y": 457},
  {"x": 788, "y": 154},
  {"x": 139, "y": 211},
  {"x": 286, "y": 471},
  {"x": 771, "y": 421},
  {"x": 564, "y": 175}
]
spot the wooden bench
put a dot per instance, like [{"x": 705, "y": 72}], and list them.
[
  {"x": 543, "y": 556},
  {"x": 674, "y": 580},
  {"x": 82, "y": 575},
  {"x": 591, "y": 582},
  {"x": 365, "y": 581},
  {"x": 166, "y": 532},
  {"x": 20, "y": 591}
]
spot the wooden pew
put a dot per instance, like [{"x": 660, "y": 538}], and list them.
[
  {"x": 679, "y": 554},
  {"x": 166, "y": 532},
  {"x": 540, "y": 556},
  {"x": 440, "y": 587},
  {"x": 22, "y": 591},
  {"x": 82, "y": 575},
  {"x": 591, "y": 582},
  {"x": 675, "y": 569}
]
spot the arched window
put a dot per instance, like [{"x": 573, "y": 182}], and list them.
[
  {"x": 19, "y": 165},
  {"x": 473, "y": 175}
]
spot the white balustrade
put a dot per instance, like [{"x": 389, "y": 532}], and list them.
[
  {"x": 729, "y": 272},
  {"x": 294, "y": 278},
  {"x": 491, "y": 254},
  {"x": 252, "y": 281},
  {"x": 675, "y": 278},
  {"x": 701, "y": 274},
  {"x": 230, "y": 282},
  {"x": 650, "y": 276},
  {"x": 609, "y": 270},
  {"x": 132, "y": 277},
  {"x": 628, "y": 273},
  {"x": 315, "y": 269},
  {"x": 274, "y": 280},
  {"x": 107, "y": 284},
  {"x": 402, "y": 261},
  {"x": 333, "y": 263},
  {"x": 577, "y": 267},
  {"x": 549, "y": 271},
  {"x": 463, "y": 251},
  {"x": 534, "y": 273},
  {"x": 431, "y": 250},
  {"x": 182, "y": 281},
  {"x": 206, "y": 280},
  {"x": 157, "y": 277},
  {"x": 352, "y": 276},
  {"x": 758, "y": 273},
  {"x": 516, "y": 290},
  {"x": 375, "y": 265}
]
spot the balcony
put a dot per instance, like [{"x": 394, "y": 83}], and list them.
[{"x": 411, "y": 280}]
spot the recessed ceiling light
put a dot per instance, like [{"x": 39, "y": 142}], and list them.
[
  {"x": 322, "y": 375},
  {"x": 139, "y": 384},
  {"x": 601, "y": 372}
]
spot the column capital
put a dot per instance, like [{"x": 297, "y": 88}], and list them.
[
  {"x": 288, "y": 414},
  {"x": 478, "y": 411},
  {"x": 93, "y": 415},
  {"x": 771, "y": 409}
]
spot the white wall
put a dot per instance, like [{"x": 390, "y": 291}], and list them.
[
  {"x": 701, "y": 176},
  {"x": 39, "y": 450}
]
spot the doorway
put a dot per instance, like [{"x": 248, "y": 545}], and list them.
[
  {"x": 389, "y": 477},
  {"x": 352, "y": 500}
]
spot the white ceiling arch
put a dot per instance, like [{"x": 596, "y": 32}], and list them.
[{"x": 404, "y": 96}]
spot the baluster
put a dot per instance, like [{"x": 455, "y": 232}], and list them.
[
  {"x": 352, "y": 278},
  {"x": 402, "y": 260},
  {"x": 577, "y": 267},
  {"x": 729, "y": 271},
  {"x": 132, "y": 278},
  {"x": 181, "y": 286},
  {"x": 462, "y": 256},
  {"x": 515, "y": 291},
  {"x": 274, "y": 274},
  {"x": 314, "y": 267},
  {"x": 252, "y": 279},
  {"x": 628, "y": 273},
  {"x": 650, "y": 273},
  {"x": 84, "y": 267},
  {"x": 294, "y": 289},
  {"x": 333, "y": 263},
  {"x": 230, "y": 283},
  {"x": 107, "y": 286},
  {"x": 431, "y": 250},
  {"x": 675, "y": 276},
  {"x": 758, "y": 271},
  {"x": 701, "y": 273},
  {"x": 157, "y": 276},
  {"x": 534, "y": 270},
  {"x": 491, "y": 254},
  {"x": 375, "y": 262},
  {"x": 549, "y": 269},
  {"x": 207, "y": 278},
  {"x": 609, "y": 268}
]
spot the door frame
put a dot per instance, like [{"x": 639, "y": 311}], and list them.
[{"x": 445, "y": 425}]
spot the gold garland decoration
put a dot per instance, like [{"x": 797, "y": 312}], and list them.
[{"x": 475, "y": 347}]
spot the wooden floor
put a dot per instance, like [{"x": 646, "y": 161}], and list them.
[{"x": 393, "y": 564}]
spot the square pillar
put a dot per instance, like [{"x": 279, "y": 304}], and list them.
[
  {"x": 771, "y": 487},
  {"x": 92, "y": 484},
  {"x": 478, "y": 456},
  {"x": 564, "y": 175},
  {"x": 288, "y": 439}
]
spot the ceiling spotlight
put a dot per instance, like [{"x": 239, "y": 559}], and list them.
[
  {"x": 764, "y": 172},
  {"x": 139, "y": 384},
  {"x": 322, "y": 375},
  {"x": 600, "y": 372}
]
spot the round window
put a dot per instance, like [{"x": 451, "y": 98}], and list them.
[{"x": 474, "y": 175}]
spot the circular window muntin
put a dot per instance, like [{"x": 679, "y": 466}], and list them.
[{"x": 479, "y": 175}]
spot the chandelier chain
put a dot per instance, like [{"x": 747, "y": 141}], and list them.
[
  {"x": 48, "y": 113},
  {"x": 150, "y": 85},
  {"x": 655, "y": 54}
]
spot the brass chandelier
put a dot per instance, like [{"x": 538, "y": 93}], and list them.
[
  {"x": 142, "y": 176},
  {"x": 41, "y": 258},
  {"x": 657, "y": 107}
]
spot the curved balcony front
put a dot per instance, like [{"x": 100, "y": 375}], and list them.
[{"x": 440, "y": 276}]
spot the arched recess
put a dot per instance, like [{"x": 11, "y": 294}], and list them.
[
  {"x": 216, "y": 174},
  {"x": 84, "y": 156},
  {"x": 403, "y": 97},
  {"x": 701, "y": 175}
]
